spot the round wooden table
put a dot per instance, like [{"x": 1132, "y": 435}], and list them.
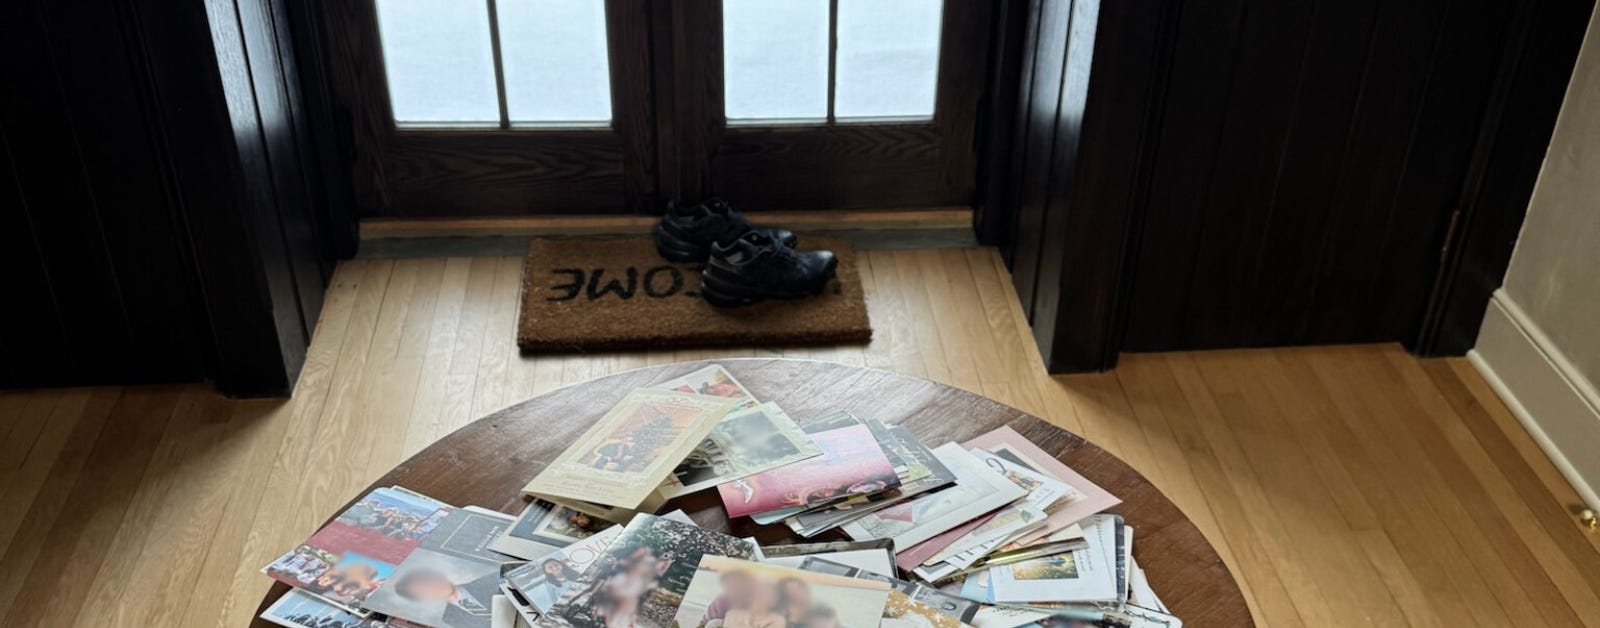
[{"x": 487, "y": 462}]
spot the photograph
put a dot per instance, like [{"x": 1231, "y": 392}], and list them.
[
  {"x": 851, "y": 463},
  {"x": 439, "y": 590},
  {"x": 349, "y": 558},
  {"x": 544, "y": 527},
  {"x": 733, "y": 593},
  {"x": 392, "y": 514},
  {"x": 1058, "y": 567},
  {"x": 715, "y": 381},
  {"x": 451, "y": 579},
  {"x": 743, "y": 443},
  {"x": 297, "y": 609},
  {"x": 640, "y": 579}
]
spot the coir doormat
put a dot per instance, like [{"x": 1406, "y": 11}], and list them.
[{"x": 590, "y": 294}]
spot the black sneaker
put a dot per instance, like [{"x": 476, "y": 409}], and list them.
[
  {"x": 686, "y": 233},
  {"x": 756, "y": 267}
]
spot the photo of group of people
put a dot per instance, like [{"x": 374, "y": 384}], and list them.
[
  {"x": 733, "y": 593},
  {"x": 639, "y": 581},
  {"x": 349, "y": 558},
  {"x": 392, "y": 518},
  {"x": 347, "y": 578}
]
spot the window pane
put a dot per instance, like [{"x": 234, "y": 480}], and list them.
[
  {"x": 439, "y": 61},
  {"x": 775, "y": 59},
  {"x": 888, "y": 63},
  {"x": 554, "y": 52}
]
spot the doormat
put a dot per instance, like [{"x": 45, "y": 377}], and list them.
[{"x": 592, "y": 294}]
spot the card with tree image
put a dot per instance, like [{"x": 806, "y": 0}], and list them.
[
  {"x": 629, "y": 452},
  {"x": 1086, "y": 575},
  {"x": 743, "y": 443},
  {"x": 639, "y": 579},
  {"x": 737, "y": 593}
]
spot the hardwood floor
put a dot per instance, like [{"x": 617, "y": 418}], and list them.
[{"x": 1344, "y": 486}]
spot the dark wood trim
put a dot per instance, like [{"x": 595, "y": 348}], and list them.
[
  {"x": 1093, "y": 235},
  {"x": 1009, "y": 76},
  {"x": 1530, "y": 85}
]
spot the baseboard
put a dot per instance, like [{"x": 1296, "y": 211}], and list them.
[{"x": 1555, "y": 403}]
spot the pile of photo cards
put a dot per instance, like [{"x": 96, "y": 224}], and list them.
[{"x": 990, "y": 533}]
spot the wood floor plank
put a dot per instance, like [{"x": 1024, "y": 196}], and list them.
[
  {"x": 427, "y": 413},
  {"x": 1296, "y": 493},
  {"x": 68, "y": 552},
  {"x": 1552, "y": 573},
  {"x": 1213, "y": 413},
  {"x": 1493, "y": 415},
  {"x": 226, "y": 579},
  {"x": 919, "y": 313},
  {"x": 1413, "y": 520},
  {"x": 171, "y": 513},
  {"x": 892, "y": 320},
  {"x": 268, "y": 514},
  {"x": 55, "y": 414},
  {"x": 36, "y": 510}
]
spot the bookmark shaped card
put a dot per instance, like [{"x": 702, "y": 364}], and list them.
[{"x": 628, "y": 453}]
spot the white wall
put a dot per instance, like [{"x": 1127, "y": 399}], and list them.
[{"x": 1540, "y": 341}]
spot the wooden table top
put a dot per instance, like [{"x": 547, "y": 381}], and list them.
[{"x": 487, "y": 462}]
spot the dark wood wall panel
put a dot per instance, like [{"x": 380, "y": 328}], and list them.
[
  {"x": 91, "y": 245},
  {"x": 1253, "y": 173},
  {"x": 1036, "y": 141},
  {"x": 164, "y": 214},
  {"x": 1315, "y": 211}
]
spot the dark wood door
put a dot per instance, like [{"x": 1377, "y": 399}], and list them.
[{"x": 509, "y": 107}]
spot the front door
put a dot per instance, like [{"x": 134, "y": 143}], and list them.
[{"x": 517, "y": 107}]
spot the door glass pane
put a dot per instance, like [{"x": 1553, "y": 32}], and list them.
[
  {"x": 775, "y": 60},
  {"x": 554, "y": 53},
  {"x": 888, "y": 58},
  {"x": 439, "y": 61}
]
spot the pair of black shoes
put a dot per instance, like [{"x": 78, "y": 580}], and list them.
[{"x": 744, "y": 263}]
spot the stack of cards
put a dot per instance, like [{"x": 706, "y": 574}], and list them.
[{"x": 990, "y": 533}]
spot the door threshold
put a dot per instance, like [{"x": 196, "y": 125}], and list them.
[{"x": 501, "y": 236}]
